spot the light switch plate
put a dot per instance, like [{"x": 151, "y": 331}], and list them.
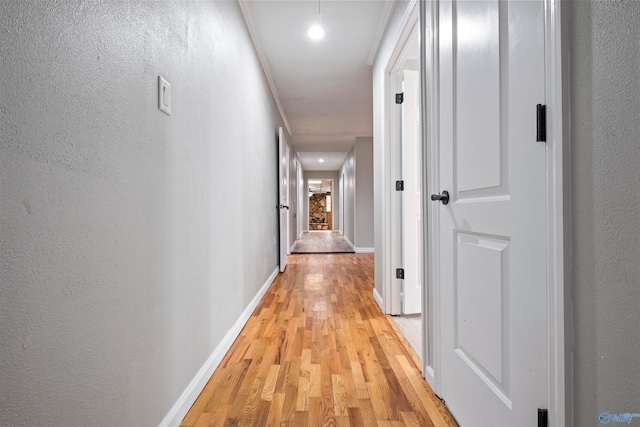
[{"x": 164, "y": 95}]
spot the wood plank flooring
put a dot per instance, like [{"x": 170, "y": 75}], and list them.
[
  {"x": 316, "y": 242},
  {"x": 317, "y": 351}
]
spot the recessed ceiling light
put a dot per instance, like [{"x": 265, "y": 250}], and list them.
[
  {"x": 321, "y": 160},
  {"x": 316, "y": 32}
]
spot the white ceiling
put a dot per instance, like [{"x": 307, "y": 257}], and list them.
[
  {"x": 332, "y": 160},
  {"x": 320, "y": 185},
  {"x": 323, "y": 87}
]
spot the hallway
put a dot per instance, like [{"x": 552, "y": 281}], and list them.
[{"x": 318, "y": 351}]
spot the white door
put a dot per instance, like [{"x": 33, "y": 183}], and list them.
[
  {"x": 283, "y": 191},
  {"x": 411, "y": 201},
  {"x": 492, "y": 259}
]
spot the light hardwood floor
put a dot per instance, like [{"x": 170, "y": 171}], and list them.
[{"x": 317, "y": 351}]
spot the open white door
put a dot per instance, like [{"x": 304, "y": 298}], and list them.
[
  {"x": 411, "y": 200},
  {"x": 283, "y": 195},
  {"x": 492, "y": 268}
]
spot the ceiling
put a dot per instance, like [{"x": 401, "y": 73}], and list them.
[
  {"x": 322, "y": 87},
  {"x": 320, "y": 185},
  {"x": 322, "y": 161}
]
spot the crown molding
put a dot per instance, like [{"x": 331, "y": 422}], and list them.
[
  {"x": 248, "y": 19},
  {"x": 382, "y": 26}
]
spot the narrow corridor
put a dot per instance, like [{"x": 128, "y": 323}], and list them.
[{"x": 318, "y": 351}]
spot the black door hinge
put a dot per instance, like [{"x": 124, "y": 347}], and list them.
[
  {"x": 543, "y": 418},
  {"x": 399, "y": 273},
  {"x": 399, "y": 98},
  {"x": 541, "y": 123},
  {"x": 399, "y": 185}
]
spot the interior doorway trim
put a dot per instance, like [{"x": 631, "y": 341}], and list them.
[
  {"x": 560, "y": 397},
  {"x": 413, "y": 31},
  {"x": 429, "y": 88},
  {"x": 391, "y": 215}
]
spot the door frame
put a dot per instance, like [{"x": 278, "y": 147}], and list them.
[
  {"x": 558, "y": 298},
  {"x": 399, "y": 56},
  {"x": 391, "y": 217},
  {"x": 333, "y": 194},
  {"x": 283, "y": 197},
  {"x": 559, "y": 398},
  {"x": 341, "y": 205}
]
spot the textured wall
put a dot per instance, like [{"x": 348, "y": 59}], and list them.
[
  {"x": 604, "y": 44},
  {"x": 364, "y": 193},
  {"x": 126, "y": 248}
]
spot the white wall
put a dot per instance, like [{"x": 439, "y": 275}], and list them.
[
  {"x": 604, "y": 89},
  {"x": 358, "y": 198},
  {"x": 364, "y": 193},
  {"x": 131, "y": 241}
]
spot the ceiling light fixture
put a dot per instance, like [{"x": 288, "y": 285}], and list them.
[
  {"x": 316, "y": 32},
  {"x": 321, "y": 160}
]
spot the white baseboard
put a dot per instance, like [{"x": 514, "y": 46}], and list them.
[
  {"x": 195, "y": 387},
  {"x": 365, "y": 250},
  {"x": 378, "y": 298}
]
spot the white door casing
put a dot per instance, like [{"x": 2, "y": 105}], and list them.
[
  {"x": 492, "y": 260},
  {"x": 302, "y": 191},
  {"x": 392, "y": 254},
  {"x": 411, "y": 197},
  {"x": 341, "y": 207},
  {"x": 283, "y": 196}
]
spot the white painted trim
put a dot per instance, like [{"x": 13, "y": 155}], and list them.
[
  {"x": 391, "y": 242},
  {"x": 248, "y": 19},
  {"x": 349, "y": 241},
  {"x": 188, "y": 397},
  {"x": 382, "y": 26},
  {"x": 365, "y": 250},
  {"x": 378, "y": 298},
  {"x": 429, "y": 58},
  {"x": 557, "y": 341}
]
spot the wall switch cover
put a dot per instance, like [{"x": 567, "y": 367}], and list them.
[{"x": 164, "y": 95}]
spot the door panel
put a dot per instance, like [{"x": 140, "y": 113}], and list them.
[
  {"x": 482, "y": 307},
  {"x": 477, "y": 88},
  {"x": 492, "y": 256}
]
